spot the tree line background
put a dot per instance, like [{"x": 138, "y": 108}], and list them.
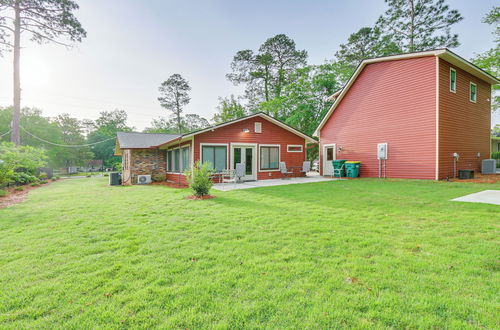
[{"x": 277, "y": 80}]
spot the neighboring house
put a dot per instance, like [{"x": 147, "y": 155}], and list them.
[
  {"x": 426, "y": 106},
  {"x": 259, "y": 141}
]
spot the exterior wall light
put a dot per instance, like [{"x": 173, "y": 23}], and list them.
[{"x": 246, "y": 130}]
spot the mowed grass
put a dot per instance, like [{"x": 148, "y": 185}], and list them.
[{"x": 358, "y": 253}]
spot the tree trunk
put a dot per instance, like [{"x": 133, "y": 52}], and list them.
[
  {"x": 16, "y": 114},
  {"x": 412, "y": 26}
]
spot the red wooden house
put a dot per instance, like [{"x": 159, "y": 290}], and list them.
[
  {"x": 430, "y": 111},
  {"x": 259, "y": 141}
]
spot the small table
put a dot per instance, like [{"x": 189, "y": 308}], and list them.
[{"x": 295, "y": 170}]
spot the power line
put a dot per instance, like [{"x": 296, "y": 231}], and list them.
[{"x": 64, "y": 145}]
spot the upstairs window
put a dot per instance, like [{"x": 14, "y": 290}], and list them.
[
  {"x": 453, "y": 80},
  {"x": 473, "y": 92},
  {"x": 258, "y": 127}
]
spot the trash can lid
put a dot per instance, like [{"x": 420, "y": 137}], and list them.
[{"x": 353, "y": 162}]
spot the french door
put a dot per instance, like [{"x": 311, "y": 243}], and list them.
[{"x": 245, "y": 155}]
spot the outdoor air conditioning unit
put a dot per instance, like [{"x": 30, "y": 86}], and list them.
[
  {"x": 489, "y": 166},
  {"x": 143, "y": 179}
]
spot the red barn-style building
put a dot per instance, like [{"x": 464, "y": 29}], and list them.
[
  {"x": 259, "y": 141},
  {"x": 430, "y": 110}
]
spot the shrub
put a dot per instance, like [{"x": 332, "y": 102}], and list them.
[
  {"x": 22, "y": 178},
  {"x": 43, "y": 176},
  {"x": 89, "y": 176},
  {"x": 20, "y": 188},
  {"x": 3, "y": 193},
  {"x": 106, "y": 174},
  {"x": 34, "y": 184},
  {"x": 44, "y": 182},
  {"x": 158, "y": 177},
  {"x": 199, "y": 179}
]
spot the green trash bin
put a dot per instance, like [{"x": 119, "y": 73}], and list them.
[
  {"x": 338, "y": 170},
  {"x": 352, "y": 168}
]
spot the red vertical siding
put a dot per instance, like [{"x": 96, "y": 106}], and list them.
[
  {"x": 393, "y": 102},
  {"x": 271, "y": 134},
  {"x": 464, "y": 126}
]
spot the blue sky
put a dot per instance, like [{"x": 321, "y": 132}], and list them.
[{"x": 132, "y": 46}]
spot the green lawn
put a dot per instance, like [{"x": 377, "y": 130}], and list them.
[{"x": 359, "y": 253}]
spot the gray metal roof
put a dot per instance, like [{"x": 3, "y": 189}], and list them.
[{"x": 127, "y": 140}]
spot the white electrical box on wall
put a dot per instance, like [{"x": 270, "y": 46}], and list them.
[{"x": 382, "y": 151}]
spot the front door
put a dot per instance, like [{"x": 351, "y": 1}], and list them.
[
  {"x": 328, "y": 157},
  {"x": 245, "y": 155}
]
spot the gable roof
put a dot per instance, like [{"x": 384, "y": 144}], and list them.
[
  {"x": 258, "y": 114},
  {"x": 443, "y": 53},
  {"x": 133, "y": 140}
]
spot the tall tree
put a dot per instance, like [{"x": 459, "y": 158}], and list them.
[
  {"x": 366, "y": 43},
  {"x": 229, "y": 108},
  {"x": 174, "y": 96},
  {"x": 106, "y": 127},
  {"x": 45, "y": 21},
  {"x": 417, "y": 25},
  {"x": 72, "y": 133},
  {"x": 490, "y": 60},
  {"x": 268, "y": 70},
  {"x": 189, "y": 123}
]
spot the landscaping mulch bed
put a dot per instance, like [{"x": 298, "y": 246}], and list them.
[
  {"x": 481, "y": 178},
  {"x": 196, "y": 198},
  {"x": 15, "y": 197},
  {"x": 170, "y": 184}
]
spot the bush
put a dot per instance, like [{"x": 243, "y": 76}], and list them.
[
  {"x": 158, "y": 177},
  {"x": 3, "y": 193},
  {"x": 106, "y": 174},
  {"x": 89, "y": 176},
  {"x": 34, "y": 184},
  {"x": 23, "y": 178},
  {"x": 44, "y": 182},
  {"x": 199, "y": 179},
  {"x": 43, "y": 176},
  {"x": 20, "y": 188}
]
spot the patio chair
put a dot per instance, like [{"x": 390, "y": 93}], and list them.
[
  {"x": 338, "y": 171},
  {"x": 286, "y": 173},
  {"x": 306, "y": 167},
  {"x": 240, "y": 171}
]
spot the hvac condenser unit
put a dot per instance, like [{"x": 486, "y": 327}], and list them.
[
  {"x": 143, "y": 179},
  {"x": 489, "y": 166}
]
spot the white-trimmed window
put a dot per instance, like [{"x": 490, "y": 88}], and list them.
[
  {"x": 215, "y": 155},
  {"x": 453, "y": 80},
  {"x": 258, "y": 127},
  {"x": 473, "y": 92},
  {"x": 269, "y": 157},
  {"x": 178, "y": 160},
  {"x": 294, "y": 148}
]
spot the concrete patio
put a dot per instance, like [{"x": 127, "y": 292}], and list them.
[
  {"x": 271, "y": 182},
  {"x": 485, "y": 196}
]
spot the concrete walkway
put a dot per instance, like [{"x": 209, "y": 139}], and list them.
[
  {"x": 485, "y": 196},
  {"x": 270, "y": 183}
]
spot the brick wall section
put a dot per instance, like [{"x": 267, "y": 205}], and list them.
[
  {"x": 393, "y": 102},
  {"x": 464, "y": 126},
  {"x": 146, "y": 161},
  {"x": 271, "y": 134}
]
